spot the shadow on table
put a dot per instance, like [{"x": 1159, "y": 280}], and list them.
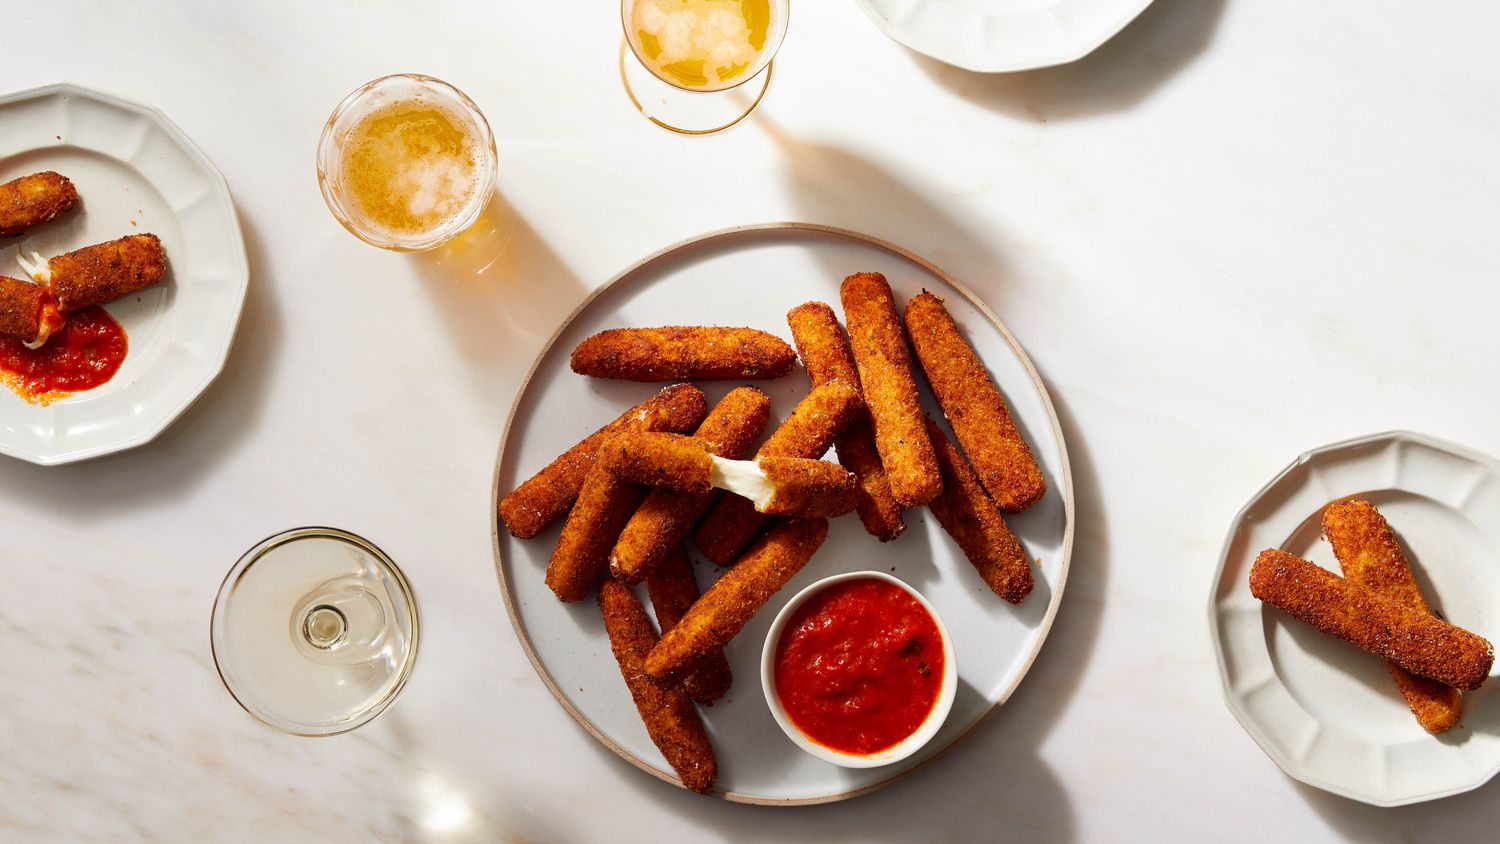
[
  {"x": 500, "y": 286},
  {"x": 187, "y": 453},
  {"x": 836, "y": 186},
  {"x": 1122, "y": 72},
  {"x": 1472, "y": 816},
  {"x": 994, "y": 779}
]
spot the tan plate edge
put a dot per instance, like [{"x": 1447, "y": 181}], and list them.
[{"x": 739, "y": 231}]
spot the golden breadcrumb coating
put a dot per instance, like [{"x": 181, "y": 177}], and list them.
[
  {"x": 808, "y": 488},
  {"x": 970, "y": 516},
  {"x": 1371, "y": 556},
  {"x": 670, "y": 718},
  {"x": 885, "y": 374},
  {"x": 673, "y": 589},
  {"x": 734, "y": 599},
  {"x": 1416, "y": 641},
  {"x": 104, "y": 272},
  {"x": 665, "y": 517},
  {"x": 582, "y": 551},
  {"x": 826, "y": 357},
  {"x": 808, "y": 432},
  {"x": 683, "y": 353},
  {"x": 535, "y": 504},
  {"x": 21, "y": 308},
  {"x": 671, "y": 461},
  {"x": 33, "y": 200},
  {"x": 974, "y": 407}
]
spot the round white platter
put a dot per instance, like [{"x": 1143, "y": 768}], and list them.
[{"x": 752, "y": 276}]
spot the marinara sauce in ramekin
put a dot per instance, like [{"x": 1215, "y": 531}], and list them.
[{"x": 858, "y": 670}]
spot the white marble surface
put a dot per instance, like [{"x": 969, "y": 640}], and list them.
[{"x": 1238, "y": 231}]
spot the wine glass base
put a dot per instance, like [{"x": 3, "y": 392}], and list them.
[
  {"x": 688, "y": 112},
  {"x": 315, "y": 631}
]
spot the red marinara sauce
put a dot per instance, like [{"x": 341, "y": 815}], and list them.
[
  {"x": 87, "y": 352},
  {"x": 859, "y": 666}
]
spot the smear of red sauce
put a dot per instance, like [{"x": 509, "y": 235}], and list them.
[
  {"x": 859, "y": 666},
  {"x": 87, "y": 352}
]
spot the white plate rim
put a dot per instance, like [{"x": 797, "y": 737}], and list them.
[
  {"x": 912, "y": 41},
  {"x": 1252, "y": 726},
  {"x": 1065, "y": 490},
  {"x": 241, "y": 277}
]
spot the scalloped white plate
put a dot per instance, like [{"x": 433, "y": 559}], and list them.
[
  {"x": 1326, "y": 712},
  {"x": 998, "y": 36},
  {"x": 135, "y": 172}
]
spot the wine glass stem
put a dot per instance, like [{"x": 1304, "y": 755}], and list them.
[{"x": 325, "y": 627}]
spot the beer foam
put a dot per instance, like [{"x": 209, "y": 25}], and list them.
[{"x": 714, "y": 32}]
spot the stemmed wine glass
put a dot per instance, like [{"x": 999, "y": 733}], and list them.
[
  {"x": 315, "y": 631},
  {"x": 684, "y": 62}
]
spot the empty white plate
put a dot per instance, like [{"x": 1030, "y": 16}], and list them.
[
  {"x": 135, "y": 172},
  {"x": 995, "y": 36},
  {"x": 1328, "y": 713}
]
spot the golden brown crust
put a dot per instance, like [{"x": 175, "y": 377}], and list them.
[
  {"x": 673, "y": 589},
  {"x": 582, "y": 551},
  {"x": 970, "y": 516},
  {"x": 807, "y": 432},
  {"x": 665, "y": 517},
  {"x": 826, "y": 357},
  {"x": 1371, "y": 556},
  {"x": 808, "y": 488},
  {"x": 890, "y": 391},
  {"x": 1416, "y": 641},
  {"x": 670, "y": 461},
  {"x": 683, "y": 353},
  {"x": 20, "y": 308},
  {"x": 536, "y": 503},
  {"x": 33, "y": 200},
  {"x": 821, "y": 345},
  {"x": 810, "y": 428},
  {"x": 974, "y": 407},
  {"x": 734, "y": 599},
  {"x": 104, "y": 272},
  {"x": 670, "y": 718}
]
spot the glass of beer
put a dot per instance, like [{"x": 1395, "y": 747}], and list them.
[
  {"x": 688, "y": 65},
  {"x": 406, "y": 162}
]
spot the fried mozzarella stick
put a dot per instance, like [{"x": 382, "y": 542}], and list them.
[
  {"x": 103, "y": 272},
  {"x": 535, "y": 504},
  {"x": 789, "y": 486},
  {"x": 734, "y": 599},
  {"x": 1416, "y": 641},
  {"x": 672, "y": 461},
  {"x": 974, "y": 407},
  {"x": 673, "y": 589},
  {"x": 807, "y": 433},
  {"x": 28, "y": 312},
  {"x": 970, "y": 516},
  {"x": 1371, "y": 556},
  {"x": 33, "y": 200},
  {"x": 890, "y": 390},
  {"x": 582, "y": 551},
  {"x": 683, "y": 353},
  {"x": 666, "y": 516},
  {"x": 826, "y": 357},
  {"x": 670, "y": 718},
  {"x": 777, "y": 486}
]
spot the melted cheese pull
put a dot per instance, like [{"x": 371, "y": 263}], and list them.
[{"x": 743, "y": 478}]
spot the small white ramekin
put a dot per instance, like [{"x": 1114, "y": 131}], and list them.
[{"x": 895, "y": 753}]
